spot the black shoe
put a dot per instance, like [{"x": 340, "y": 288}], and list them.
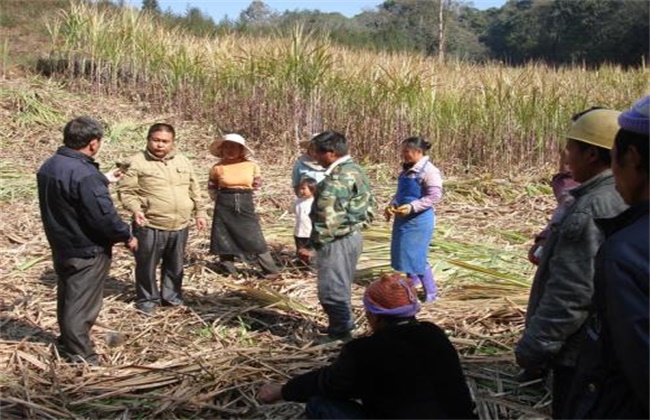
[
  {"x": 333, "y": 338},
  {"x": 91, "y": 360},
  {"x": 228, "y": 268},
  {"x": 172, "y": 302},
  {"x": 148, "y": 310}
]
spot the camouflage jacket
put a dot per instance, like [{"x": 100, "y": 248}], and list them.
[{"x": 343, "y": 203}]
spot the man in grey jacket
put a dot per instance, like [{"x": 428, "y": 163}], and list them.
[{"x": 563, "y": 286}]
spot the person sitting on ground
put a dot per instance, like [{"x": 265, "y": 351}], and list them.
[
  {"x": 236, "y": 228},
  {"x": 405, "y": 369}
]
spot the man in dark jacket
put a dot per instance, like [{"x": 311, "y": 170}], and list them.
[
  {"x": 405, "y": 369},
  {"x": 613, "y": 369},
  {"x": 81, "y": 225},
  {"x": 563, "y": 285}
]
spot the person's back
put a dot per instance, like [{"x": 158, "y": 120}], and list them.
[
  {"x": 410, "y": 371},
  {"x": 405, "y": 369},
  {"x": 81, "y": 225},
  {"x": 71, "y": 232}
]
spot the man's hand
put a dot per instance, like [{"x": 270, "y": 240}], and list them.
[
  {"x": 139, "y": 219},
  {"x": 132, "y": 244},
  {"x": 528, "y": 360},
  {"x": 201, "y": 223},
  {"x": 305, "y": 255},
  {"x": 533, "y": 253},
  {"x": 404, "y": 210},
  {"x": 388, "y": 212},
  {"x": 269, "y": 393},
  {"x": 114, "y": 175}
]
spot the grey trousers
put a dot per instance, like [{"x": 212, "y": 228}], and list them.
[
  {"x": 336, "y": 263},
  {"x": 79, "y": 294},
  {"x": 153, "y": 246}
]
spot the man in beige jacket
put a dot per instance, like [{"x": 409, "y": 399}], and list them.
[{"x": 162, "y": 193}]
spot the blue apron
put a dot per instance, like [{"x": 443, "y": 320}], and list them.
[{"x": 411, "y": 233}]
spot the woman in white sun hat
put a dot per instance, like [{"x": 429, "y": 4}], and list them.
[{"x": 236, "y": 228}]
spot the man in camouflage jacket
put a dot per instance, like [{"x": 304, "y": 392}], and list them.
[{"x": 342, "y": 206}]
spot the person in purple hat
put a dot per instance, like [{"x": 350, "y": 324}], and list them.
[
  {"x": 405, "y": 369},
  {"x": 612, "y": 371}
]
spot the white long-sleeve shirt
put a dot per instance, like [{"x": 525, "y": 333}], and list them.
[{"x": 302, "y": 207}]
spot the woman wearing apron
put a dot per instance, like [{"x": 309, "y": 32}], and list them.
[{"x": 419, "y": 188}]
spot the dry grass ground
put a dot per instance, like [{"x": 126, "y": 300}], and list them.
[{"x": 207, "y": 359}]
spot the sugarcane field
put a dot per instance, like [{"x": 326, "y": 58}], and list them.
[{"x": 252, "y": 315}]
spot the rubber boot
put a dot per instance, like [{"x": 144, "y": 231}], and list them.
[{"x": 429, "y": 285}]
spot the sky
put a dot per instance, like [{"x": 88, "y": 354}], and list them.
[{"x": 218, "y": 9}]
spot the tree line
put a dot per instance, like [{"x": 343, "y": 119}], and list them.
[{"x": 559, "y": 32}]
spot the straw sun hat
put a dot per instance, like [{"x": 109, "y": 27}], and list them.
[{"x": 215, "y": 147}]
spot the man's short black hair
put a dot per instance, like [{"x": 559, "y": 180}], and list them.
[
  {"x": 624, "y": 139},
  {"x": 161, "y": 127},
  {"x": 330, "y": 141},
  {"x": 78, "y": 132}
]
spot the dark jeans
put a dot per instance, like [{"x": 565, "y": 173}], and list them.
[
  {"x": 79, "y": 294},
  {"x": 336, "y": 263},
  {"x": 154, "y": 245},
  {"x": 563, "y": 377},
  {"x": 328, "y": 408}
]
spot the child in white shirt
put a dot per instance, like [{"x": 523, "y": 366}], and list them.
[{"x": 302, "y": 207}]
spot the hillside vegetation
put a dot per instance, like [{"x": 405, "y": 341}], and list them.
[
  {"x": 558, "y": 32},
  {"x": 279, "y": 90}
]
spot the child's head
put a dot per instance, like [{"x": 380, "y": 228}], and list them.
[{"x": 307, "y": 187}]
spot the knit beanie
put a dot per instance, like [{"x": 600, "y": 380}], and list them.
[
  {"x": 636, "y": 119},
  {"x": 391, "y": 295}
]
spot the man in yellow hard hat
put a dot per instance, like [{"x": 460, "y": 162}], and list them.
[
  {"x": 563, "y": 285},
  {"x": 612, "y": 372}
]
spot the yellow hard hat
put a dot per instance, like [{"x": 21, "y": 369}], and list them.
[{"x": 597, "y": 127}]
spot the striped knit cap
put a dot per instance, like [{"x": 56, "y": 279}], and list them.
[
  {"x": 391, "y": 295},
  {"x": 636, "y": 119}
]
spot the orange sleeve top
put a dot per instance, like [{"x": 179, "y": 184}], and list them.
[{"x": 240, "y": 175}]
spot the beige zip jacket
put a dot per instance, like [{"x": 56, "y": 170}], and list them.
[{"x": 165, "y": 190}]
